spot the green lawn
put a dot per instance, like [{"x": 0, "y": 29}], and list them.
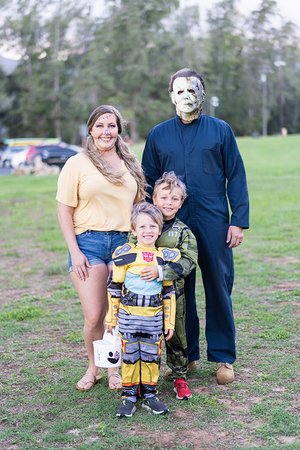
[{"x": 42, "y": 353}]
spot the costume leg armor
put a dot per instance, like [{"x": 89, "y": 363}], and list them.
[
  {"x": 130, "y": 367},
  {"x": 150, "y": 362},
  {"x": 141, "y": 350},
  {"x": 177, "y": 346},
  {"x": 191, "y": 320}
]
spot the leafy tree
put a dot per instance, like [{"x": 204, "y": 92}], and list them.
[
  {"x": 132, "y": 38},
  {"x": 71, "y": 61},
  {"x": 267, "y": 51},
  {"x": 5, "y": 103},
  {"x": 225, "y": 70},
  {"x": 259, "y": 60},
  {"x": 39, "y": 86},
  {"x": 284, "y": 81}
]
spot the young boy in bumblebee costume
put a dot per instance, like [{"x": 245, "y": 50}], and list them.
[
  {"x": 142, "y": 308},
  {"x": 168, "y": 195}
]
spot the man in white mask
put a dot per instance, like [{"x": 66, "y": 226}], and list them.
[
  {"x": 188, "y": 96},
  {"x": 202, "y": 151}
]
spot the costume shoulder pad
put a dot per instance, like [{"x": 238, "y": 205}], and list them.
[
  {"x": 170, "y": 254},
  {"x": 122, "y": 249},
  {"x": 123, "y": 255}
]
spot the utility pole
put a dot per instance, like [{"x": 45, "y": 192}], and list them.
[
  {"x": 213, "y": 104},
  {"x": 280, "y": 64},
  {"x": 263, "y": 79}
]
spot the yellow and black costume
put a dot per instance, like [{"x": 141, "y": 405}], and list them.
[{"x": 142, "y": 309}]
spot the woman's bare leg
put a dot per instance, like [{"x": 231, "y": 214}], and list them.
[{"x": 93, "y": 297}]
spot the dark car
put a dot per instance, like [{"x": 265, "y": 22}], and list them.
[
  {"x": 53, "y": 155},
  {"x": 3, "y": 147}
]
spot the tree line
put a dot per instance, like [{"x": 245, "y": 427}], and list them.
[{"x": 72, "y": 60}]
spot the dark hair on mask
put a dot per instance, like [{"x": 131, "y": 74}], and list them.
[{"x": 185, "y": 73}]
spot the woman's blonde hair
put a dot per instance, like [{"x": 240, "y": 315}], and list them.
[
  {"x": 122, "y": 150},
  {"x": 150, "y": 210}
]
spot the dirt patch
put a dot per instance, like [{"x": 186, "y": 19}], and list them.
[
  {"x": 288, "y": 440},
  {"x": 286, "y": 286},
  {"x": 197, "y": 439},
  {"x": 24, "y": 272},
  {"x": 233, "y": 407},
  {"x": 201, "y": 389},
  {"x": 280, "y": 261}
]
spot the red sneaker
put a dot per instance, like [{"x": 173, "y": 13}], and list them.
[{"x": 182, "y": 389}]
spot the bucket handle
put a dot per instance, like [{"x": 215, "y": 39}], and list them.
[{"x": 107, "y": 336}]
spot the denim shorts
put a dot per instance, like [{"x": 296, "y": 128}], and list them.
[{"x": 98, "y": 246}]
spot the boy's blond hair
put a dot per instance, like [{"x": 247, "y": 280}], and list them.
[
  {"x": 172, "y": 181},
  {"x": 150, "y": 210}
]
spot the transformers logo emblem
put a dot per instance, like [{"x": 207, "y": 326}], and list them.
[{"x": 148, "y": 256}]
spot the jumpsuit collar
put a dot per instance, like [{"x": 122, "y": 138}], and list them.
[
  {"x": 168, "y": 224},
  {"x": 195, "y": 121}
]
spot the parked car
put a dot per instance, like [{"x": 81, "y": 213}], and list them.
[
  {"x": 3, "y": 146},
  {"x": 53, "y": 155},
  {"x": 19, "y": 158},
  {"x": 11, "y": 152}
]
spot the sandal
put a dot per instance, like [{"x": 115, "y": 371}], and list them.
[
  {"x": 87, "y": 382},
  {"x": 114, "y": 381}
]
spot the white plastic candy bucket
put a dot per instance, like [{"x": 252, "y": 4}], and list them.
[{"x": 107, "y": 351}]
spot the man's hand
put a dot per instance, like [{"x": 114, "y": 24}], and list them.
[
  {"x": 235, "y": 236},
  {"x": 168, "y": 334},
  {"x": 149, "y": 273}
]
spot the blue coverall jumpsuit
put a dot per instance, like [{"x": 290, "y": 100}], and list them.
[{"x": 204, "y": 154}]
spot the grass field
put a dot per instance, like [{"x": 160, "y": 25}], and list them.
[{"x": 42, "y": 353}]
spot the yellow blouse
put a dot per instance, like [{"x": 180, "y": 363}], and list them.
[{"x": 98, "y": 204}]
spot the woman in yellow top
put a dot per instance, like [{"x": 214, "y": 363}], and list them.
[{"x": 96, "y": 192}]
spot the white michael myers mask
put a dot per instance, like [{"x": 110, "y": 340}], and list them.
[{"x": 188, "y": 96}]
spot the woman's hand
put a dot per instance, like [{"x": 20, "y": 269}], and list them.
[
  {"x": 80, "y": 265},
  {"x": 168, "y": 334},
  {"x": 110, "y": 329},
  {"x": 149, "y": 273}
]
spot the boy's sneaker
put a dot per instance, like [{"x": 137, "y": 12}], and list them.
[
  {"x": 154, "y": 405},
  {"x": 182, "y": 389},
  {"x": 126, "y": 408}
]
